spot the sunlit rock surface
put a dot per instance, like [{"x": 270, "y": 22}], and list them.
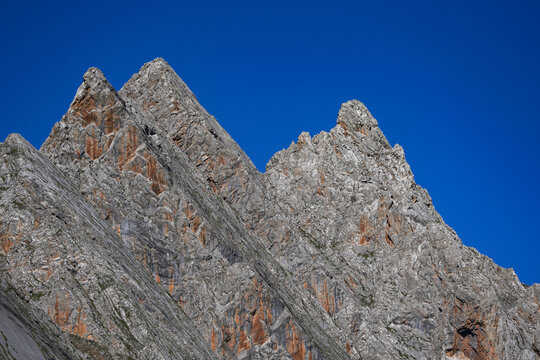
[{"x": 142, "y": 230}]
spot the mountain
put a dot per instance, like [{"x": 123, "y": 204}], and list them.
[{"x": 141, "y": 230}]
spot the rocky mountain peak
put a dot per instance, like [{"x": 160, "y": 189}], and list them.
[
  {"x": 142, "y": 230},
  {"x": 158, "y": 91},
  {"x": 93, "y": 99},
  {"x": 356, "y": 114},
  {"x": 95, "y": 92},
  {"x": 14, "y": 139},
  {"x": 355, "y": 119},
  {"x": 94, "y": 77},
  {"x": 91, "y": 123}
]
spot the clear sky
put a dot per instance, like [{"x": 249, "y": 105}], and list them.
[{"x": 456, "y": 83}]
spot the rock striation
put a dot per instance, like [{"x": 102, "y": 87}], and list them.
[{"x": 141, "y": 230}]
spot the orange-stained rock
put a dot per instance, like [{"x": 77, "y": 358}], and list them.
[
  {"x": 80, "y": 327},
  {"x": 128, "y": 147},
  {"x": 181, "y": 302},
  {"x": 295, "y": 345},
  {"x": 202, "y": 237},
  {"x": 476, "y": 334},
  {"x": 366, "y": 230},
  {"x": 5, "y": 242},
  {"x": 243, "y": 341},
  {"x": 343, "y": 126},
  {"x": 171, "y": 285},
  {"x": 154, "y": 174},
  {"x": 85, "y": 107},
  {"x": 350, "y": 282},
  {"x": 258, "y": 334},
  {"x": 60, "y": 312},
  {"x": 111, "y": 118},
  {"x": 327, "y": 300},
  {"x": 92, "y": 146},
  {"x": 195, "y": 224},
  {"x": 213, "y": 340},
  {"x": 389, "y": 240},
  {"x": 188, "y": 211}
]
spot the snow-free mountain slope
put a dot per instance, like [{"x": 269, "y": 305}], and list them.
[{"x": 142, "y": 230}]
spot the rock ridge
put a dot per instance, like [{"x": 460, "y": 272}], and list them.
[{"x": 142, "y": 230}]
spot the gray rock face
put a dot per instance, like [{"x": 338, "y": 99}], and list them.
[
  {"x": 141, "y": 230},
  {"x": 67, "y": 261}
]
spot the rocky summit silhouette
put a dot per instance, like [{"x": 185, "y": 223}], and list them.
[{"x": 141, "y": 230}]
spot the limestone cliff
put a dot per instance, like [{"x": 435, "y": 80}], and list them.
[{"x": 142, "y": 230}]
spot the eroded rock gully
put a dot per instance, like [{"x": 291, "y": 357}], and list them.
[{"x": 141, "y": 230}]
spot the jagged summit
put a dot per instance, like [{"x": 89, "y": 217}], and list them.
[
  {"x": 15, "y": 138},
  {"x": 158, "y": 60},
  {"x": 96, "y": 84},
  {"x": 94, "y": 75},
  {"x": 157, "y": 66},
  {"x": 91, "y": 123},
  {"x": 142, "y": 230},
  {"x": 356, "y": 113},
  {"x": 355, "y": 117},
  {"x": 356, "y": 130}
]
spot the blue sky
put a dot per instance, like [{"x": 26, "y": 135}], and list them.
[{"x": 456, "y": 83}]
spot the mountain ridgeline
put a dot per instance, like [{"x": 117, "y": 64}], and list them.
[{"x": 141, "y": 230}]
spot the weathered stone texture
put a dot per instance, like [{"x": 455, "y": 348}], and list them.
[{"x": 142, "y": 230}]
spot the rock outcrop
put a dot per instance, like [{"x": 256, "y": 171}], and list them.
[{"x": 142, "y": 230}]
